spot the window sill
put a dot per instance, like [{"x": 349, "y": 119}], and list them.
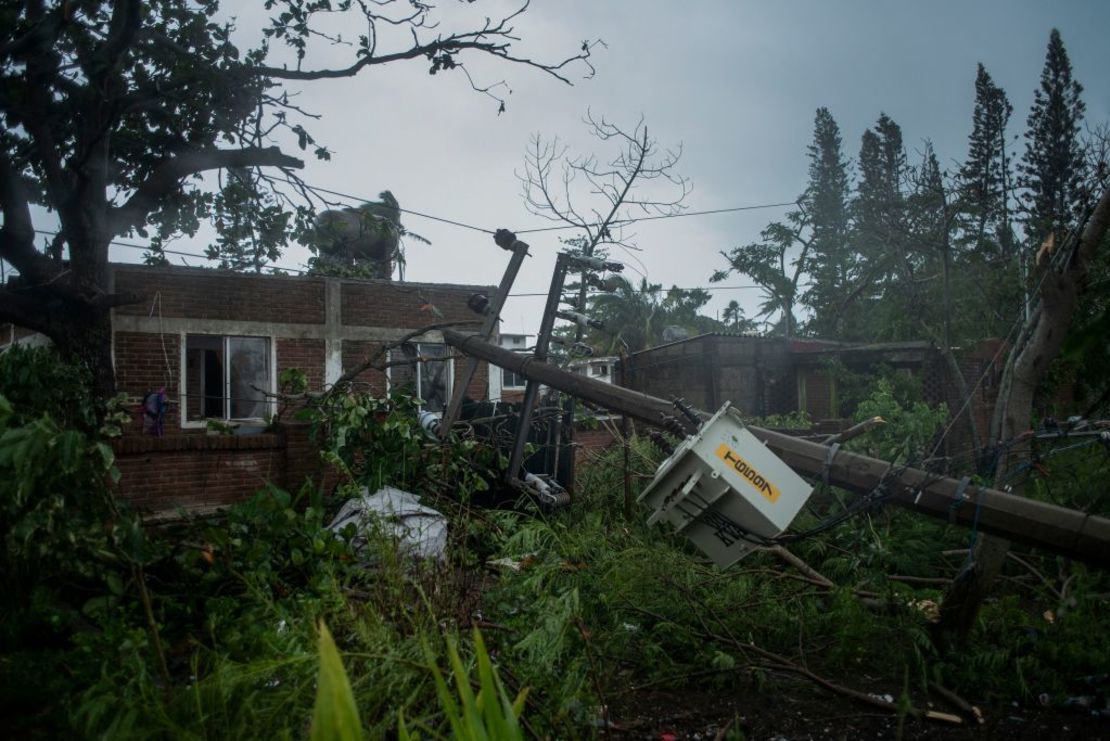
[
  {"x": 236, "y": 427},
  {"x": 169, "y": 443}
]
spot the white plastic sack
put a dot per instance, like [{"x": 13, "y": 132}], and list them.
[{"x": 421, "y": 532}]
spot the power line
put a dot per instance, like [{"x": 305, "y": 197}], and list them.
[
  {"x": 662, "y": 290},
  {"x": 452, "y": 222},
  {"x": 361, "y": 199},
  {"x": 621, "y": 222},
  {"x": 149, "y": 248},
  {"x": 134, "y": 246},
  {"x": 563, "y": 227},
  {"x": 299, "y": 271}
]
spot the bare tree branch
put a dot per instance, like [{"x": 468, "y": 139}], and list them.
[{"x": 494, "y": 39}]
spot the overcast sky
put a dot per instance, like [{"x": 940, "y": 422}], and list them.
[{"x": 735, "y": 84}]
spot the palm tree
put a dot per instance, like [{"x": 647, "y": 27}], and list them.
[
  {"x": 632, "y": 317},
  {"x": 733, "y": 318}
]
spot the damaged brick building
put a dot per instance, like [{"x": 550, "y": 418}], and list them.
[
  {"x": 765, "y": 376},
  {"x": 218, "y": 341}
]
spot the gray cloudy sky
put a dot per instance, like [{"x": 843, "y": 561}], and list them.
[{"x": 735, "y": 83}]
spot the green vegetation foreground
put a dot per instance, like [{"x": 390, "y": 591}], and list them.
[{"x": 213, "y": 629}]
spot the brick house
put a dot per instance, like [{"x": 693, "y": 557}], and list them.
[
  {"x": 765, "y": 376},
  {"x": 212, "y": 338}
]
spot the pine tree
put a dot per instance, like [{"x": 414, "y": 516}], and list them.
[
  {"x": 927, "y": 208},
  {"x": 917, "y": 305},
  {"x": 1052, "y": 168},
  {"x": 985, "y": 176},
  {"x": 880, "y": 232},
  {"x": 825, "y": 201},
  {"x": 882, "y": 162}
]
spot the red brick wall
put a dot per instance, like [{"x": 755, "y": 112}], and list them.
[
  {"x": 479, "y": 385},
  {"x": 405, "y": 305},
  {"x": 221, "y": 294},
  {"x": 302, "y": 459},
  {"x": 589, "y": 443},
  {"x": 197, "y": 472},
  {"x": 203, "y": 472},
  {"x": 357, "y": 352},
  {"x": 213, "y": 294},
  {"x": 146, "y": 362},
  {"x": 306, "y": 355}
]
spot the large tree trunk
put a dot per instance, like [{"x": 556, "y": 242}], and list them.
[
  {"x": 1038, "y": 344},
  {"x": 87, "y": 339}
]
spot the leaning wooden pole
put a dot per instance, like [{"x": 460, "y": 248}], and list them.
[
  {"x": 1068, "y": 532},
  {"x": 506, "y": 240}
]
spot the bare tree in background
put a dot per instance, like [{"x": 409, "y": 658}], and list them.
[{"x": 602, "y": 198}]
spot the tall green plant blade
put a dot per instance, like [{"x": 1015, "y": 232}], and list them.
[
  {"x": 335, "y": 716},
  {"x": 472, "y": 714},
  {"x": 499, "y": 713}
]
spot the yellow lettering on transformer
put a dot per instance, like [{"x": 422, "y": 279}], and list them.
[{"x": 755, "y": 479}]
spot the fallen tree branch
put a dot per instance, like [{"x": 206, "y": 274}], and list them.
[
  {"x": 789, "y": 558},
  {"x": 958, "y": 702},
  {"x": 1033, "y": 570},
  {"x": 855, "y": 430},
  {"x": 938, "y": 581},
  {"x": 777, "y": 662},
  {"x": 810, "y": 575}
]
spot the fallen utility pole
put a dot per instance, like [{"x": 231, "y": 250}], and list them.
[
  {"x": 1068, "y": 532},
  {"x": 507, "y": 241}
]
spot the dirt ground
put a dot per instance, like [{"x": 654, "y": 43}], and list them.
[{"x": 791, "y": 711}]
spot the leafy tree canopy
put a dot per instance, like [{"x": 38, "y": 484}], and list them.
[{"x": 114, "y": 111}]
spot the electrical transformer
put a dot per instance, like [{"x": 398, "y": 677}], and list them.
[{"x": 724, "y": 490}]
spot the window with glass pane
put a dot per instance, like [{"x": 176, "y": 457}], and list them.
[
  {"x": 434, "y": 378},
  {"x": 424, "y": 376},
  {"x": 510, "y": 380},
  {"x": 226, "y": 377}
]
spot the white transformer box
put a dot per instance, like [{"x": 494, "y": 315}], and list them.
[{"x": 722, "y": 485}]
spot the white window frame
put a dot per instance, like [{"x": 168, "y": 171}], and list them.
[
  {"x": 507, "y": 387},
  {"x": 395, "y": 354},
  {"x": 200, "y": 424}
]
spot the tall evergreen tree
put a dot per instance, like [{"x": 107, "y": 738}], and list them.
[
  {"x": 880, "y": 232},
  {"x": 984, "y": 178},
  {"x": 1052, "y": 168},
  {"x": 917, "y": 305},
  {"x": 832, "y": 265},
  {"x": 882, "y": 164}
]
